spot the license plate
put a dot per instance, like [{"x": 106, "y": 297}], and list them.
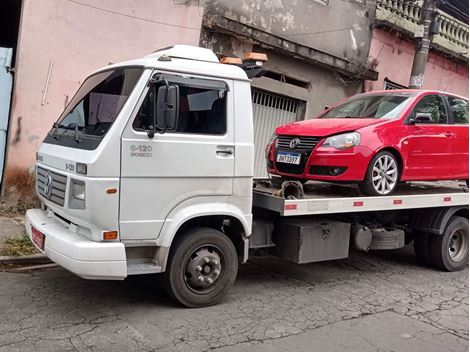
[
  {"x": 288, "y": 158},
  {"x": 38, "y": 238}
]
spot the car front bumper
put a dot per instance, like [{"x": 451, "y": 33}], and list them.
[
  {"x": 353, "y": 163},
  {"x": 81, "y": 256}
]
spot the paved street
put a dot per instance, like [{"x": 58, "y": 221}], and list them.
[{"x": 378, "y": 302}]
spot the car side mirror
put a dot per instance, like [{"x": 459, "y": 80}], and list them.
[
  {"x": 167, "y": 107},
  {"x": 421, "y": 117}
]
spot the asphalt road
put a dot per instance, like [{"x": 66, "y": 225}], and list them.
[{"x": 370, "y": 302}]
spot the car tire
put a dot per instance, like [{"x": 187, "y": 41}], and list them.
[
  {"x": 449, "y": 251},
  {"x": 199, "y": 253},
  {"x": 420, "y": 245},
  {"x": 370, "y": 186}
]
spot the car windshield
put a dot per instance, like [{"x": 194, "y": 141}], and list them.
[{"x": 371, "y": 106}]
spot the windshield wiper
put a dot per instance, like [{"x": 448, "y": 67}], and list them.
[{"x": 73, "y": 126}]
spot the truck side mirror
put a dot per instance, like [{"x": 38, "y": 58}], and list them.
[{"x": 167, "y": 107}]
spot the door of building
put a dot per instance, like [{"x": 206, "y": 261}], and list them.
[
  {"x": 270, "y": 111},
  {"x": 6, "y": 82}
]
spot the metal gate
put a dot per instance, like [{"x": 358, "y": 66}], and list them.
[
  {"x": 6, "y": 81},
  {"x": 269, "y": 111}
]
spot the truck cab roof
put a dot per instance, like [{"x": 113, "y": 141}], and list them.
[{"x": 185, "y": 59}]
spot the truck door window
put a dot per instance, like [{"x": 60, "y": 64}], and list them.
[{"x": 201, "y": 111}]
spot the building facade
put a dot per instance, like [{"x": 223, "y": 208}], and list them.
[{"x": 392, "y": 47}]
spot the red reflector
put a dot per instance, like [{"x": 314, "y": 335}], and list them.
[
  {"x": 447, "y": 199},
  {"x": 290, "y": 206},
  {"x": 397, "y": 201},
  {"x": 358, "y": 204}
]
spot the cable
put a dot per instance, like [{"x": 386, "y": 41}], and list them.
[
  {"x": 326, "y": 31},
  {"x": 134, "y": 17}
]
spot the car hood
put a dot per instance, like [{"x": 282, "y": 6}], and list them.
[{"x": 323, "y": 127}]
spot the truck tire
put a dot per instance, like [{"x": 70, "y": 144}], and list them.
[
  {"x": 449, "y": 251},
  {"x": 201, "y": 268},
  {"x": 383, "y": 165},
  {"x": 420, "y": 244}
]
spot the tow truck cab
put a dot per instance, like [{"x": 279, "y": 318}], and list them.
[
  {"x": 117, "y": 181},
  {"x": 149, "y": 169}
]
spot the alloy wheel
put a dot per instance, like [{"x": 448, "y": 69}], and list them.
[{"x": 384, "y": 174}]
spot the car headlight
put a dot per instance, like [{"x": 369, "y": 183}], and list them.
[
  {"x": 343, "y": 141},
  {"x": 268, "y": 146}
]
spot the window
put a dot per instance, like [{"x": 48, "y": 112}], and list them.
[
  {"x": 434, "y": 105},
  {"x": 371, "y": 106},
  {"x": 459, "y": 108},
  {"x": 202, "y": 110},
  {"x": 99, "y": 100}
]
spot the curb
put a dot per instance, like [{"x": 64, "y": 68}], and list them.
[{"x": 26, "y": 259}]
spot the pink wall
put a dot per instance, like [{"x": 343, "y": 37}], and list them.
[
  {"x": 393, "y": 58},
  {"x": 81, "y": 36}
]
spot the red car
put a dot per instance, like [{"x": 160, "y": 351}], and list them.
[{"x": 376, "y": 140}]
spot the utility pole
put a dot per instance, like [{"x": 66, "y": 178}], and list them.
[{"x": 423, "y": 44}]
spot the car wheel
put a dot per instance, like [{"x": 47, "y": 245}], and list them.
[
  {"x": 381, "y": 176},
  {"x": 449, "y": 251},
  {"x": 202, "y": 267}
]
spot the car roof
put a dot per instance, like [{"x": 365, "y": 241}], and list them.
[{"x": 417, "y": 92}]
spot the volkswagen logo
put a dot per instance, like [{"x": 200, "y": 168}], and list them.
[
  {"x": 294, "y": 143},
  {"x": 48, "y": 185}
]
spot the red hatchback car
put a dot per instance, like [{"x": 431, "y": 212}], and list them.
[{"x": 376, "y": 140}]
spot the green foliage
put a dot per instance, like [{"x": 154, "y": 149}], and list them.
[{"x": 18, "y": 246}]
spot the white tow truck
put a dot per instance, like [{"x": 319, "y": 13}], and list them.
[{"x": 149, "y": 169}]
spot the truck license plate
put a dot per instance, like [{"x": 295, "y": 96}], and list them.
[
  {"x": 38, "y": 238},
  {"x": 288, "y": 158}
]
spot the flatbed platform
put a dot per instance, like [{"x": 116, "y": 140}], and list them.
[{"x": 324, "y": 198}]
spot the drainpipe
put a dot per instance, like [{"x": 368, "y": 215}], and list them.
[{"x": 423, "y": 43}]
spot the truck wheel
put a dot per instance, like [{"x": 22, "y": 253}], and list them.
[
  {"x": 201, "y": 268},
  {"x": 382, "y": 175},
  {"x": 449, "y": 251},
  {"x": 420, "y": 245}
]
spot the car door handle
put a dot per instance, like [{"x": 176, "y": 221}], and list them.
[{"x": 449, "y": 134}]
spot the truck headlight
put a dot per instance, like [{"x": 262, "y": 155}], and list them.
[
  {"x": 78, "y": 190},
  {"x": 343, "y": 141}
]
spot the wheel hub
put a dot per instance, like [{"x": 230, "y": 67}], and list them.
[
  {"x": 457, "y": 245},
  {"x": 203, "y": 269}
]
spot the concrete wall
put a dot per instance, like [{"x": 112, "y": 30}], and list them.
[
  {"x": 79, "y": 36},
  {"x": 392, "y": 57},
  {"x": 339, "y": 27}
]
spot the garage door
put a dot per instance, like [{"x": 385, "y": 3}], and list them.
[{"x": 269, "y": 111}]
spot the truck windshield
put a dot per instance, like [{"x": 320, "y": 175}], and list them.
[
  {"x": 94, "y": 108},
  {"x": 372, "y": 106}
]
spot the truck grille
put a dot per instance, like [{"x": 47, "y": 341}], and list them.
[
  {"x": 303, "y": 143},
  {"x": 51, "y": 185}
]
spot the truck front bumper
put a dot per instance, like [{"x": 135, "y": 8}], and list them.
[{"x": 81, "y": 256}]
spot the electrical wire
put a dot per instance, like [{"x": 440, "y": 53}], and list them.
[{"x": 134, "y": 17}]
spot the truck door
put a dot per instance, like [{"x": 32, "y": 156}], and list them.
[
  {"x": 6, "y": 81},
  {"x": 195, "y": 160}
]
